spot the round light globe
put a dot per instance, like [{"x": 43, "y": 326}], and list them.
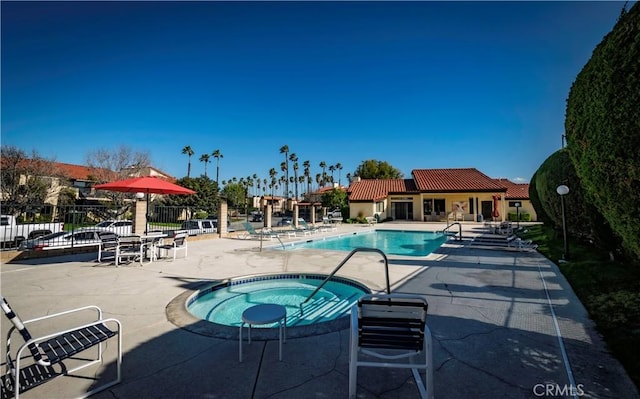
[
  {"x": 562, "y": 189},
  {"x": 139, "y": 195}
]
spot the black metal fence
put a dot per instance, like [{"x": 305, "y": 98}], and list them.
[{"x": 39, "y": 221}]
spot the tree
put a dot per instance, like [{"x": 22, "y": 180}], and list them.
[
  {"x": 372, "y": 169},
  {"x": 332, "y": 169},
  {"x": 217, "y": 155},
  {"x": 285, "y": 150},
  {"x": 272, "y": 174},
  {"x": 24, "y": 179},
  {"x": 236, "y": 194},
  {"x": 294, "y": 158},
  {"x": 206, "y": 158},
  {"x": 339, "y": 168},
  {"x": 206, "y": 197},
  {"x": 323, "y": 165},
  {"x": 189, "y": 152},
  {"x": 117, "y": 164},
  {"x": 307, "y": 173},
  {"x": 336, "y": 198},
  {"x": 602, "y": 126}
]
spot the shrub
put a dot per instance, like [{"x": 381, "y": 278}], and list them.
[
  {"x": 618, "y": 309},
  {"x": 582, "y": 218},
  {"x": 602, "y": 127}
]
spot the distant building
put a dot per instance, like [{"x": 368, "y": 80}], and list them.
[{"x": 463, "y": 194}]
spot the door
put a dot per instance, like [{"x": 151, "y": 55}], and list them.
[
  {"x": 402, "y": 210},
  {"x": 487, "y": 209}
]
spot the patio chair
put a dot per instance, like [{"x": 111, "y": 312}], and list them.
[
  {"x": 305, "y": 226},
  {"x": 391, "y": 331},
  {"x": 253, "y": 234},
  {"x": 524, "y": 245},
  {"x": 46, "y": 356},
  {"x": 179, "y": 244},
  {"x": 130, "y": 248},
  {"x": 108, "y": 247}
]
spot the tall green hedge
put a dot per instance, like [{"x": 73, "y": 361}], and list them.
[
  {"x": 535, "y": 200},
  {"x": 582, "y": 218},
  {"x": 603, "y": 128}
]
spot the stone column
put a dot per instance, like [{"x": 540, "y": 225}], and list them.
[
  {"x": 268, "y": 210},
  {"x": 140, "y": 217},
  {"x": 222, "y": 219},
  {"x": 313, "y": 214},
  {"x": 296, "y": 214}
]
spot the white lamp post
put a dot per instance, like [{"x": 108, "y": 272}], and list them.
[{"x": 563, "y": 190}]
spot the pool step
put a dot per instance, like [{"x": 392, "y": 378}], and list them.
[{"x": 323, "y": 308}]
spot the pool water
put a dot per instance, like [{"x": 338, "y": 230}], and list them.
[
  {"x": 225, "y": 304},
  {"x": 391, "y": 242}
]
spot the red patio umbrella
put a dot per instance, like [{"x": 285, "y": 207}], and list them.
[
  {"x": 496, "y": 213},
  {"x": 144, "y": 184}
]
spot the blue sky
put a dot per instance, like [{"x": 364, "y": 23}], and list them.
[{"x": 416, "y": 84}]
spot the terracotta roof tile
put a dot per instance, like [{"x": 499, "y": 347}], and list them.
[
  {"x": 454, "y": 180},
  {"x": 375, "y": 189},
  {"x": 514, "y": 190},
  {"x": 75, "y": 172}
]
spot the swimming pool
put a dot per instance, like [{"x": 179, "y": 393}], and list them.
[
  {"x": 391, "y": 242},
  {"x": 223, "y": 304}
]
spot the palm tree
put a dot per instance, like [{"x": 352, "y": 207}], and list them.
[
  {"x": 285, "y": 150},
  {"x": 189, "y": 152},
  {"x": 256, "y": 179},
  {"x": 307, "y": 173},
  {"x": 294, "y": 158},
  {"x": 272, "y": 174},
  {"x": 301, "y": 180},
  {"x": 319, "y": 179},
  {"x": 323, "y": 165},
  {"x": 205, "y": 158},
  {"x": 285, "y": 178},
  {"x": 332, "y": 169},
  {"x": 349, "y": 178},
  {"x": 217, "y": 155},
  {"x": 339, "y": 167}
]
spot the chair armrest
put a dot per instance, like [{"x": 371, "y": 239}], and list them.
[{"x": 50, "y": 316}]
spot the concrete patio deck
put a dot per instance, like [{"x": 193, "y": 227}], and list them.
[{"x": 502, "y": 324}]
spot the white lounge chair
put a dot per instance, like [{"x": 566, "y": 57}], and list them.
[{"x": 48, "y": 353}]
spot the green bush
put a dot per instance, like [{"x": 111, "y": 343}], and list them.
[
  {"x": 524, "y": 217},
  {"x": 582, "y": 218},
  {"x": 602, "y": 126},
  {"x": 201, "y": 215},
  {"x": 614, "y": 310}
]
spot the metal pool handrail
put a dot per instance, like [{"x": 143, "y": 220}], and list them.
[
  {"x": 444, "y": 231},
  {"x": 386, "y": 271}
]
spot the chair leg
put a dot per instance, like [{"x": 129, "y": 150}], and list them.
[{"x": 353, "y": 356}]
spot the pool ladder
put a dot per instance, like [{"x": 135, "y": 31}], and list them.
[{"x": 386, "y": 272}]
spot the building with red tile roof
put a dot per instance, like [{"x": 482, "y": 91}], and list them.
[{"x": 452, "y": 194}]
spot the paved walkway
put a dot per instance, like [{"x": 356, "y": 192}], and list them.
[{"x": 505, "y": 325}]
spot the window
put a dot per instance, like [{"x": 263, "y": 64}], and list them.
[
  {"x": 427, "y": 206},
  {"x": 380, "y": 206},
  {"x": 439, "y": 205}
]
